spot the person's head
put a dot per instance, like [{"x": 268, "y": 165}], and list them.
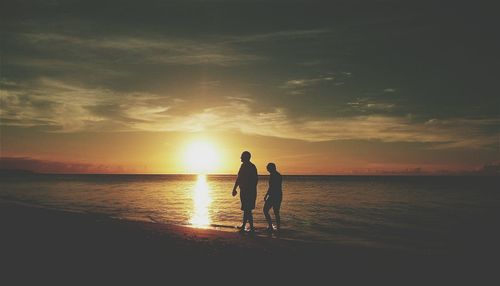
[
  {"x": 245, "y": 156},
  {"x": 271, "y": 167}
]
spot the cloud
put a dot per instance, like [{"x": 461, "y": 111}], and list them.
[
  {"x": 240, "y": 98},
  {"x": 370, "y": 105},
  {"x": 454, "y": 133},
  {"x": 492, "y": 168},
  {"x": 69, "y": 50},
  {"x": 150, "y": 49},
  {"x": 68, "y": 108},
  {"x": 64, "y": 107},
  {"x": 306, "y": 81},
  {"x": 49, "y": 166},
  {"x": 298, "y": 86},
  {"x": 280, "y": 35}
]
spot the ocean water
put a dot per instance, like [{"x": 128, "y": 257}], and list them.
[{"x": 403, "y": 212}]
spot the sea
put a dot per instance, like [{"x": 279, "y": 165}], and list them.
[{"x": 414, "y": 213}]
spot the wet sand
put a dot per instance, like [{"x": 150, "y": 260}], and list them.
[{"x": 35, "y": 238}]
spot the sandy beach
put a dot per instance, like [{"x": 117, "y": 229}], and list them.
[
  {"x": 37, "y": 239},
  {"x": 32, "y": 229}
]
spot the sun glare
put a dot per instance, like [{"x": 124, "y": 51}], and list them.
[
  {"x": 201, "y": 203},
  {"x": 201, "y": 157}
]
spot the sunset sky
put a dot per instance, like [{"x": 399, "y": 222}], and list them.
[{"x": 335, "y": 87}]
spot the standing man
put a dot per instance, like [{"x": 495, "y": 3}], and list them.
[{"x": 247, "y": 181}]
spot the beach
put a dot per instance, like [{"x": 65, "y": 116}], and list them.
[
  {"x": 39, "y": 240},
  {"x": 35, "y": 230},
  {"x": 249, "y": 142}
]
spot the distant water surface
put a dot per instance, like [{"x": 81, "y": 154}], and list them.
[{"x": 415, "y": 213}]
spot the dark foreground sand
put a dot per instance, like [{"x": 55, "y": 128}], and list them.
[{"x": 50, "y": 243}]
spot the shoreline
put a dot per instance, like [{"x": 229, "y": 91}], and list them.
[
  {"x": 38, "y": 239},
  {"x": 280, "y": 242},
  {"x": 15, "y": 213},
  {"x": 29, "y": 214},
  {"x": 26, "y": 222}
]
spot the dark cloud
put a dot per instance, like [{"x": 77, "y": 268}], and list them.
[{"x": 312, "y": 70}]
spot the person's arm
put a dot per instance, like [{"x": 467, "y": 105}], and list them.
[
  {"x": 256, "y": 176},
  {"x": 266, "y": 196},
  {"x": 268, "y": 189},
  {"x": 236, "y": 184}
]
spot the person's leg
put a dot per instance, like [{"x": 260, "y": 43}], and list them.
[
  {"x": 250, "y": 219},
  {"x": 242, "y": 200},
  {"x": 267, "y": 207},
  {"x": 244, "y": 223},
  {"x": 277, "y": 216}
]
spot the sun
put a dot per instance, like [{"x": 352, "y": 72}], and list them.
[{"x": 201, "y": 157}]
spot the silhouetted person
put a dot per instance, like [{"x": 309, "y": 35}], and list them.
[
  {"x": 273, "y": 196},
  {"x": 247, "y": 181}
]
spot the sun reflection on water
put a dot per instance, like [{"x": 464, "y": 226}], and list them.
[{"x": 201, "y": 203}]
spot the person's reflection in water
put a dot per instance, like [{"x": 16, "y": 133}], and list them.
[
  {"x": 273, "y": 197},
  {"x": 247, "y": 181}
]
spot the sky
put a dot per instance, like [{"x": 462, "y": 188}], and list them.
[{"x": 318, "y": 87}]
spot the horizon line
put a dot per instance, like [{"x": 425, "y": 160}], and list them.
[{"x": 456, "y": 174}]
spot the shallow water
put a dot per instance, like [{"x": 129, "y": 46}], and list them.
[{"x": 380, "y": 211}]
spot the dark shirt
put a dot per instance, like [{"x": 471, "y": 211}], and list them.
[
  {"x": 275, "y": 185},
  {"x": 247, "y": 176}
]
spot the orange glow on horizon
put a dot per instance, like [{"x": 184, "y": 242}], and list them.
[{"x": 168, "y": 153}]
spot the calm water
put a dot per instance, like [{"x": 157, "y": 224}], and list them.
[{"x": 398, "y": 212}]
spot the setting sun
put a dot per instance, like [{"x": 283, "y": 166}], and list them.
[{"x": 201, "y": 157}]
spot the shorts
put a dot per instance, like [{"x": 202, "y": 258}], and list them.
[
  {"x": 248, "y": 199},
  {"x": 273, "y": 202}
]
